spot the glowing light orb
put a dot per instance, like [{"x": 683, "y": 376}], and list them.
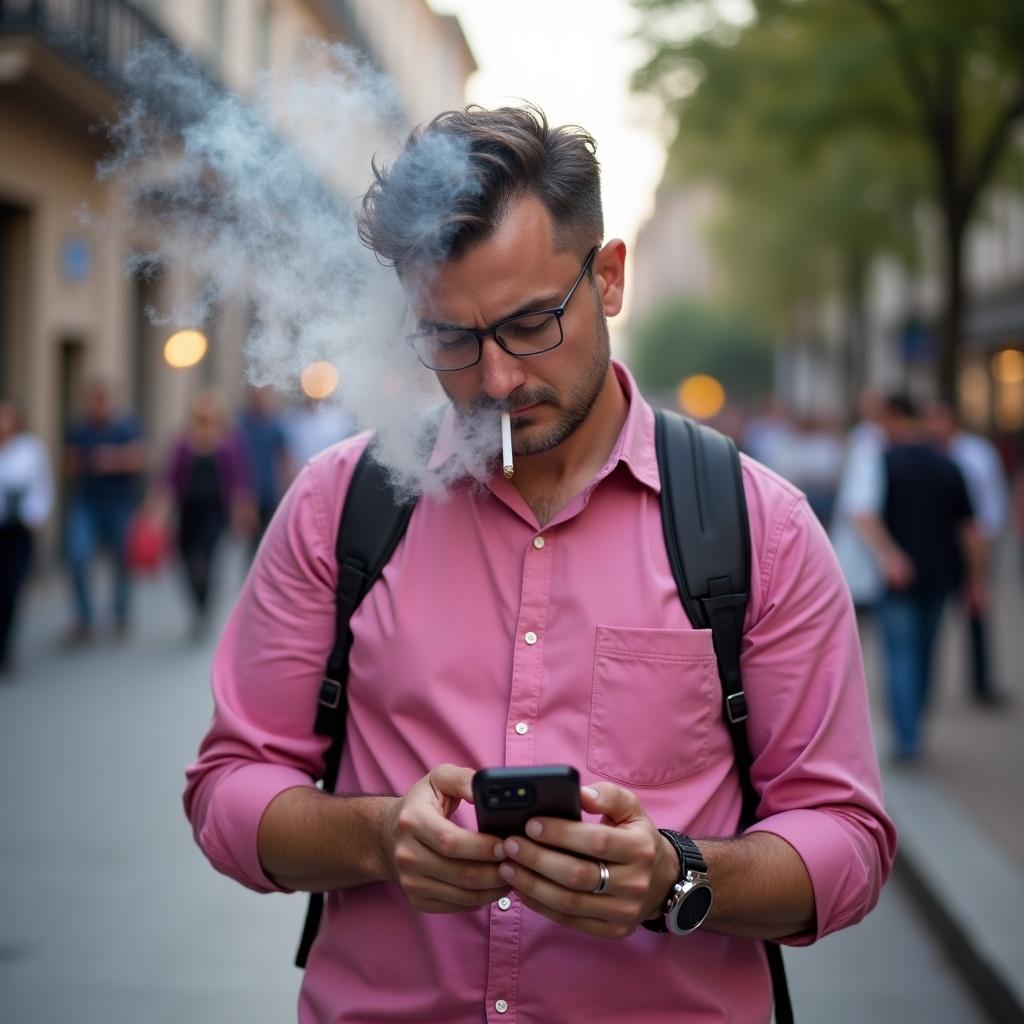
[
  {"x": 701, "y": 396},
  {"x": 185, "y": 348},
  {"x": 319, "y": 379},
  {"x": 1008, "y": 366}
]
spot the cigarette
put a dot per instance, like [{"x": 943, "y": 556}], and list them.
[{"x": 506, "y": 445}]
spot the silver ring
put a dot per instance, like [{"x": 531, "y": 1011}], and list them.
[{"x": 602, "y": 886}]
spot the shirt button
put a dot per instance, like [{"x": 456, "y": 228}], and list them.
[
  {"x": 522, "y": 728},
  {"x": 504, "y": 903},
  {"x": 538, "y": 542},
  {"x": 531, "y": 638},
  {"x": 501, "y": 1006}
]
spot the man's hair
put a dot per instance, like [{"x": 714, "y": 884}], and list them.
[
  {"x": 901, "y": 404},
  {"x": 458, "y": 174}
]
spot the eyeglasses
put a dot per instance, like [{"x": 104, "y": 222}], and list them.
[{"x": 457, "y": 348}]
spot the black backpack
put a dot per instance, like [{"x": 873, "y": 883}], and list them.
[{"x": 707, "y": 536}]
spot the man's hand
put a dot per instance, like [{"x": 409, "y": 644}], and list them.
[
  {"x": 898, "y": 569},
  {"x": 442, "y": 869},
  {"x": 555, "y": 871},
  {"x": 976, "y": 595}
]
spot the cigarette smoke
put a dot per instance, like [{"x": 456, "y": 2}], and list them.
[{"x": 257, "y": 197}]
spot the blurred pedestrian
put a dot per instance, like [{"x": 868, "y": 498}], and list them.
[
  {"x": 105, "y": 457},
  {"x": 768, "y": 433},
  {"x": 978, "y": 461},
  {"x": 26, "y": 497},
  {"x": 919, "y": 524},
  {"x": 811, "y": 457},
  {"x": 862, "y": 469},
  {"x": 208, "y": 483},
  {"x": 312, "y": 426},
  {"x": 262, "y": 430}
]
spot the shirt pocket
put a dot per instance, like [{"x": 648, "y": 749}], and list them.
[{"x": 653, "y": 697}]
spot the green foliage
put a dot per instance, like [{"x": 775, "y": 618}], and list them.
[
  {"x": 682, "y": 337},
  {"x": 805, "y": 203},
  {"x": 826, "y": 123}
]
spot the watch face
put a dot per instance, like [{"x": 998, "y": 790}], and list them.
[{"x": 694, "y": 908}]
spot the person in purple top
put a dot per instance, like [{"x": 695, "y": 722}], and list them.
[
  {"x": 104, "y": 460},
  {"x": 209, "y": 483}
]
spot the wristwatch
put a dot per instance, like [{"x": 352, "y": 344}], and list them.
[{"x": 689, "y": 900}]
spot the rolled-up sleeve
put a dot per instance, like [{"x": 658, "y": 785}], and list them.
[
  {"x": 815, "y": 765},
  {"x": 266, "y": 675}
]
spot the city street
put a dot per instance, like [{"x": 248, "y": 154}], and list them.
[{"x": 110, "y": 913}]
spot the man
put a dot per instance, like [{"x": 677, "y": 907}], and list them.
[
  {"x": 982, "y": 469},
  {"x": 865, "y": 445},
  {"x": 311, "y": 426},
  {"x": 26, "y": 497},
  {"x": 917, "y": 518},
  {"x": 536, "y": 621},
  {"x": 267, "y": 446},
  {"x": 104, "y": 460}
]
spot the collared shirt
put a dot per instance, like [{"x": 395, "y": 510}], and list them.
[
  {"x": 491, "y": 641},
  {"x": 84, "y": 437},
  {"x": 978, "y": 459},
  {"x": 26, "y": 484}
]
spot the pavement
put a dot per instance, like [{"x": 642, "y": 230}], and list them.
[
  {"x": 960, "y": 812},
  {"x": 114, "y": 914}
]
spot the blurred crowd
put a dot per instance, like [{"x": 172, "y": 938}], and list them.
[
  {"x": 224, "y": 473},
  {"x": 915, "y": 506},
  {"x": 913, "y": 502}
]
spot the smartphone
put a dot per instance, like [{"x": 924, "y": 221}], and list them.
[{"x": 507, "y": 798}]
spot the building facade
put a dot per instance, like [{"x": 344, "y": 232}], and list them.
[
  {"x": 897, "y": 327},
  {"x": 69, "y": 310}
]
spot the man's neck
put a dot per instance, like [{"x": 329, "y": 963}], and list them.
[{"x": 548, "y": 481}]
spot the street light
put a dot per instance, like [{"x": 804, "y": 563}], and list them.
[
  {"x": 184, "y": 349},
  {"x": 1008, "y": 366},
  {"x": 701, "y": 396},
  {"x": 319, "y": 379}
]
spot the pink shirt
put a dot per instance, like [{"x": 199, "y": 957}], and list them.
[{"x": 489, "y": 641}]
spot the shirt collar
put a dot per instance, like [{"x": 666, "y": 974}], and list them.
[{"x": 634, "y": 446}]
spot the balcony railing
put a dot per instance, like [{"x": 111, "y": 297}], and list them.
[{"x": 98, "y": 35}]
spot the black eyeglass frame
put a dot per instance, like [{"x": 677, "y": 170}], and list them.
[{"x": 492, "y": 332}]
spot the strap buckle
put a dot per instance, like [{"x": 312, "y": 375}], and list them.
[
  {"x": 330, "y": 693},
  {"x": 736, "y": 712}
]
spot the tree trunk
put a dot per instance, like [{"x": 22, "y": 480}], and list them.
[
  {"x": 855, "y": 333},
  {"x": 954, "y": 307}
]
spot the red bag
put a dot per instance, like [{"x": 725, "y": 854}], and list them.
[{"x": 146, "y": 544}]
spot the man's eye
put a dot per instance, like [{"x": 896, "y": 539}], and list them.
[
  {"x": 449, "y": 339},
  {"x": 529, "y": 328}
]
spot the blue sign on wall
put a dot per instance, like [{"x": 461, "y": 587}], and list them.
[{"x": 76, "y": 260}]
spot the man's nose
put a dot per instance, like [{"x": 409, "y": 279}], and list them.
[{"x": 502, "y": 373}]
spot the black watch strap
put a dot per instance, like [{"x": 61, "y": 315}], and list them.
[{"x": 690, "y": 859}]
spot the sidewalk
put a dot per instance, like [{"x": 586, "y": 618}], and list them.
[{"x": 960, "y": 812}]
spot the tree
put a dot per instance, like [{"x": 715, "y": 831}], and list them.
[
  {"x": 682, "y": 337},
  {"x": 944, "y": 75}
]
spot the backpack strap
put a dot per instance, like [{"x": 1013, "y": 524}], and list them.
[
  {"x": 704, "y": 515},
  {"x": 372, "y": 524},
  {"x": 707, "y": 536}
]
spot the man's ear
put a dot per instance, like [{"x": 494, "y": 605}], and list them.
[{"x": 610, "y": 275}]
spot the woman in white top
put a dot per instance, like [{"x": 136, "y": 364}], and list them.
[{"x": 26, "y": 497}]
